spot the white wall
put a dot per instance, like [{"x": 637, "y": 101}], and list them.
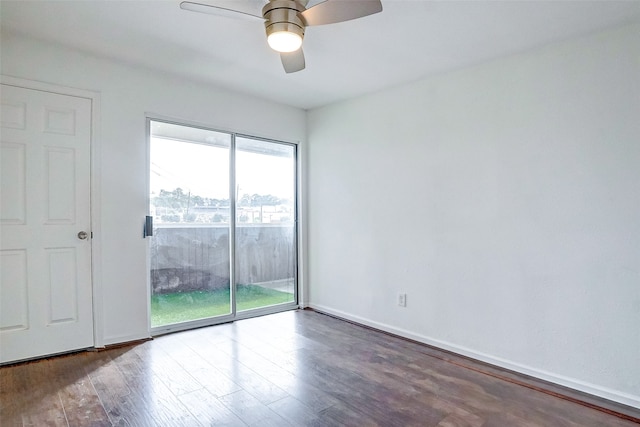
[
  {"x": 128, "y": 93},
  {"x": 504, "y": 199}
]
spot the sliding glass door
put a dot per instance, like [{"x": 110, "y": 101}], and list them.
[
  {"x": 224, "y": 226},
  {"x": 265, "y": 243}
]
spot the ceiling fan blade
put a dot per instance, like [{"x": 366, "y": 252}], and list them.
[
  {"x": 293, "y": 61},
  {"x": 250, "y": 9},
  {"x": 333, "y": 11}
]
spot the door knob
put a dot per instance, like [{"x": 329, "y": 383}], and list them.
[{"x": 82, "y": 235}]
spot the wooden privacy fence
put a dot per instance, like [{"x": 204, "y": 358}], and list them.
[{"x": 196, "y": 257}]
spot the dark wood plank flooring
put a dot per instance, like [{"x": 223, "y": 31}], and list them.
[{"x": 295, "y": 368}]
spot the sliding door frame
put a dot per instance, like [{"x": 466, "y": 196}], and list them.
[{"x": 234, "y": 314}]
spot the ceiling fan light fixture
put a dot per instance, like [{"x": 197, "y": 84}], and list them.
[
  {"x": 285, "y": 21},
  {"x": 285, "y": 29},
  {"x": 284, "y": 41}
]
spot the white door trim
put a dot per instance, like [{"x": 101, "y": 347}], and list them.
[{"x": 96, "y": 225}]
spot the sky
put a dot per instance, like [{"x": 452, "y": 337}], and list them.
[{"x": 204, "y": 170}]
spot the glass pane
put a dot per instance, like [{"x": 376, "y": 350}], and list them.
[
  {"x": 189, "y": 202},
  {"x": 265, "y": 223}
]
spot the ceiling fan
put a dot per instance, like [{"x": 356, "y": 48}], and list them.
[{"x": 286, "y": 20}]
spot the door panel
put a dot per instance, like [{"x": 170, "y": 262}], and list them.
[
  {"x": 13, "y": 269},
  {"x": 45, "y": 202},
  {"x": 189, "y": 201},
  {"x": 265, "y": 232},
  {"x": 62, "y": 278},
  {"x": 61, "y": 191},
  {"x": 14, "y": 199}
]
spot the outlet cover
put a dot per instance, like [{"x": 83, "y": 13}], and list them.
[{"x": 402, "y": 299}]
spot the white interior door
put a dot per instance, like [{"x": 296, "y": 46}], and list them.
[{"x": 45, "y": 259}]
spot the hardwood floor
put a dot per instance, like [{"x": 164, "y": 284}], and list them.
[{"x": 295, "y": 368}]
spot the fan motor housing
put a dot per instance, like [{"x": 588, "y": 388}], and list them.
[{"x": 282, "y": 15}]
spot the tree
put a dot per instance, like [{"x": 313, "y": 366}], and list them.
[
  {"x": 260, "y": 200},
  {"x": 175, "y": 199},
  {"x": 245, "y": 201}
]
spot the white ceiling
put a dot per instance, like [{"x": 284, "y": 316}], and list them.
[{"x": 410, "y": 39}]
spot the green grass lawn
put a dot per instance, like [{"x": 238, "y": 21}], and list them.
[{"x": 184, "y": 306}]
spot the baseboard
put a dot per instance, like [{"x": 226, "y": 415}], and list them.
[{"x": 581, "y": 386}]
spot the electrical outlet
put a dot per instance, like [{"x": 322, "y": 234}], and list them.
[{"x": 402, "y": 299}]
